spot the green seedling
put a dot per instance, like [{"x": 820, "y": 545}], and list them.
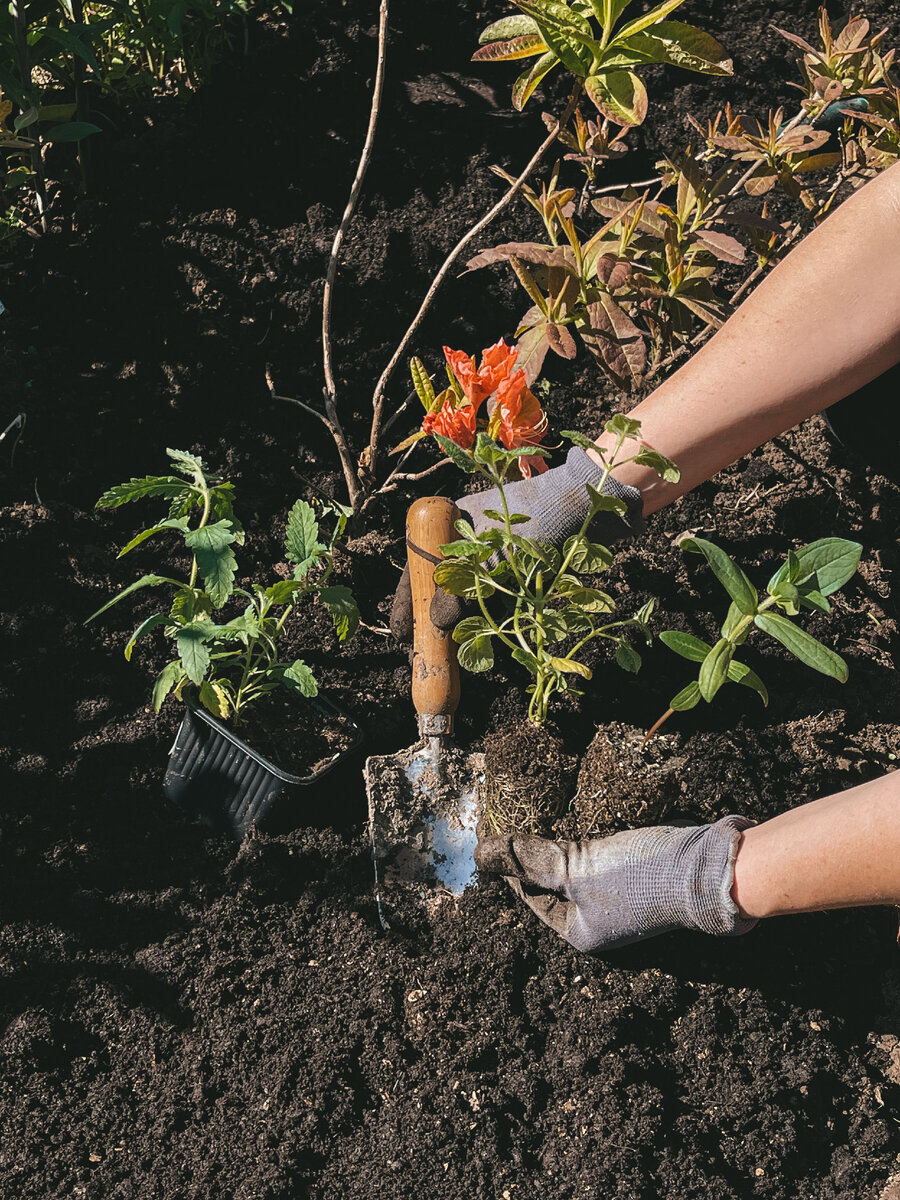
[
  {"x": 552, "y": 610},
  {"x": 804, "y": 581},
  {"x": 599, "y": 48},
  {"x": 231, "y": 663}
]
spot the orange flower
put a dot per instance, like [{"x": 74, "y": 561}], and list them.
[
  {"x": 478, "y": 383},
  {"x": 520, "y": 421},
  {"x": 457, "y": 424}
]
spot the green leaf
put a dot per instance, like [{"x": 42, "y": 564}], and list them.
[
  {"x": 300, "y": 677},
  {"x": 733, "y": 618},
  {"x": 639, "y": 24},
  {"x": 540, "y": 552},
  {"x": 587, "y": 555},
  {"x": 688, "y": 697},
  {"x": 214, "y": 698},
  {"x": 223, "y": 509},
  {"x": 663, "y": 466},
  {"x": 810, "y": 598},
  {"x": 622, "y": 426},
  {"x": 714, "y": 668},
  {"x": 470, "y": 627},
  {"x": 191, "y": 643},
  {"x": 728, "y": 573},
  {"x": 476, "y": 654},
  {"x": 144, "y": 581},
  {"x": 486, "y": 450},
  {"x": 527, "y": 659},
  {"x": 301, "y": 538},
  {"x": 526, "y": 46},
  {"x": 525, "y": 84},
  {"x": 165, "y": 681},
  {"x": 144, "y": 628},
  {"x": 456, "y": 454},
  {"x": 680, "y": 45},
  {"x": 620, "y": 96},
  {"x": 827, "y": 564},
  {"x": 507, "y": 27},
  {"x": 567, "y": 33},
  {"x": 803, "y": 645},
  {"x": 478, "y": 551},
  {"x": 461, "y": 579},
  {"x": 628, "y": 658},
  {"x": 180, "y": 523},
  {"x": 685, "y": 644},
  {"x": 72, "y": 131},
  {"x": 592, "y": 600},
  {"x": 579, "y": 439},
  {"x": 739, "y": 673},
  {"x": 340, "y": 603},
  {"x": 216, "y": 563},
  {"x": 187, "y": 463},
  {"x": 285, "y": 589},
  {"x": 569, "y": 666},
  {"x": 139, "y": 489},
  {"x": 603, "y": 503}
]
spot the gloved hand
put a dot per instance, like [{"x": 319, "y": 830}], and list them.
[
  {"x": 608, "y": 892},
  {"x": 557, "y": 503}
]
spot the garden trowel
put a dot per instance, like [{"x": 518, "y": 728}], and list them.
[{"x": 423, "y": 800}]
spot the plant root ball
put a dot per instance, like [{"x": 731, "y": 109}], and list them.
[
  {"x": 622, "y": 786},
  {"x": 528, "y": 780}
]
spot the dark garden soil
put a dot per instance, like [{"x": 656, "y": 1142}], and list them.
[{"x": 184, "y": 1019}]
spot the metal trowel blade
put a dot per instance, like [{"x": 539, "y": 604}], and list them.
[{"x": 423, "y": 812}]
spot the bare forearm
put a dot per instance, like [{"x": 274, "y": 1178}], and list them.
[
  {"x": 822, "y": 324},
  {"x": 839, "y": 852}
]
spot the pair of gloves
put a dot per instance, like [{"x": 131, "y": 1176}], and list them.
[{"x": 603, "y": 892}]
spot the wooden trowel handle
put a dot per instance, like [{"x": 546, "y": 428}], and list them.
[{"x": 435, "y": 671}]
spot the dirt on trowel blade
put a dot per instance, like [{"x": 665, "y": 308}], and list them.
[{"x": 423, "y": 812}]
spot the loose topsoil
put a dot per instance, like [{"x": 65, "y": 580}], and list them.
[{"x": 181, "y": 1018}]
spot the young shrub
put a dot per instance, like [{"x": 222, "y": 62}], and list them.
[
  {"x": 232, "y": 663},
  {"x": 804, "y": 580}
]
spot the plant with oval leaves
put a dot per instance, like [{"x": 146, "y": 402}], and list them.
[
  {"x": 236, "y": 662},
  {"x": 552, "y": 611},
  {"x": 805, "y": 580},
  {"x": 599, "y": 48}
]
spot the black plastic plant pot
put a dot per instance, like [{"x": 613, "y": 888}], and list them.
[
  {"x": 226, "y": 784},
  {"x": 867, "y": 423}
]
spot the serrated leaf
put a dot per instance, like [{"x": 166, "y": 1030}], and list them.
[
  {"x": 476, "y": 654},
  {"x": 587, "y": 555},
  {"x": 714, "y": 668},
  {"x": 179, "y": 523},
  {"x": 803, "y": 646},
  {"x": 223, "y": 510},
  {"x": 165, "y": 681},
  {"x": 740, "y": 673},
  {"x": 600, "y": 502},
  {"x": 216, "y": 563},
  {"x": 143, "y": 582},
  {"x": 300, "y": 677},
  {"x": 141, "y": 488},
  {"x": 342, "y": 606},
  {"x": 301, "y": 538},
  {"x": 144, "y": 628},
  {"x": 688, "y": 697},
  {"x": 628, "y": 658},
  {"x": 191, "y": 643},
  {"x": 456, "y": 454},
  {"x": 663, "y": 466},
  {"x": 187, "y": 463},
  {"x": 285, "y": 589},
  {"x": 579, "y": 439},
  {"x": 728, "y": 573},
  {"x": 214, "y": 698},
  {"x": 620, "y": 96},
  {"x": 685, "y": 644}
]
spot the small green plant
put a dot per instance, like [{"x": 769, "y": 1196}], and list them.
[
  {"x": 804, "y": 580},
  {"x": 601, "y": 56},
  {"x": 232, "y": 663},
  {"x": 548, "y": 601}
]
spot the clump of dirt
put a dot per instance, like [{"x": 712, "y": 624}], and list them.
[
  {"x": 623, "y": 783},
  {"x": 297, "y": 735},
  {"x": 528, "y": 779}
]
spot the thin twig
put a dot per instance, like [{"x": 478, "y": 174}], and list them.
[
  {"x": 300, "y": 403},
  {"x": 350, "y": 471},
  {"x": 621, "y": 187},
  {"x": 395, "y": 478},
  {"x": 378, "y": 397}
]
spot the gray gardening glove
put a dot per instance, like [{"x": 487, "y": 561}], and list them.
[
  {"x": 608, "y": 892},
  {"x": 557, "y": 503}
]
